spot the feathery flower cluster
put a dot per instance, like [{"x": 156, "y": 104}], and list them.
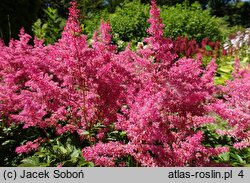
[
  {"x": 29, "y": 146},
  {"x": 235, "y": 108}
]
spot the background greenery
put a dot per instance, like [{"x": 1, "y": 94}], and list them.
[{"x": 15, "y": 14}]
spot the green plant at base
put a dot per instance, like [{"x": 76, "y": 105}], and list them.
[
  {"x": 234, "y": 157},
  {"x": 12, "y": 136},
  {"x": 56, "y": 153}
]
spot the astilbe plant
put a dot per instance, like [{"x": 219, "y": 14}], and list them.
[
  {"x": 158, "y": 100},
  {"x": 67, "y": 86},
  {"x": 164, "y": 108},
  {"x": 234, "y": 107}
]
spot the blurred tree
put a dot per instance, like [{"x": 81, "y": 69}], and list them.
[
  {"x": 174, "y": 2},
  {"x": 85, "y": 6},
  {"x": 60, "y": 5},
  {"x": 218, "y": 7},
  {"x": 89, "y": 6},
  {"x": 112, "y": 4},
  {"x": 238, "y": 14},
  {"x": 15, "y": 14}
]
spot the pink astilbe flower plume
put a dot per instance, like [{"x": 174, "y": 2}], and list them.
[
  {"x": 72, "y": 27},
  {"x": 159, "y": 47},
  {"x": 29, "y": 146},
  {"x": 235, "y": 107}
]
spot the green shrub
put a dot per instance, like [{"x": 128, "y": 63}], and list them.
[
  {"x": 191, "y": 21},
  {"x": 130, "y": 21}
]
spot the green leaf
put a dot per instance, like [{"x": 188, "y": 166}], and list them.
[
  {"x": 85, "y": 133},
  {"x": 74, "y": 154},
  {"x": 226, "y": 69},
  {"x": 41, "y": 154},
  {"x": 111, "y": 139},
  {"x": 8, "y": 142},
  {"x": 115, "y": 132},
  {"x": 123, "y": 133},
  {"x": 208, "y": 48},
  {"x": 237, "y": 157},
  {"x": 245, "y": 59},
  {"x": 91, "y": 164},
  {"x": 225, "y": 156},
  {"x": 30, "y": 162},
  {"x": 68, "y": 163},
  {"x": 63, "y": 150}
]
